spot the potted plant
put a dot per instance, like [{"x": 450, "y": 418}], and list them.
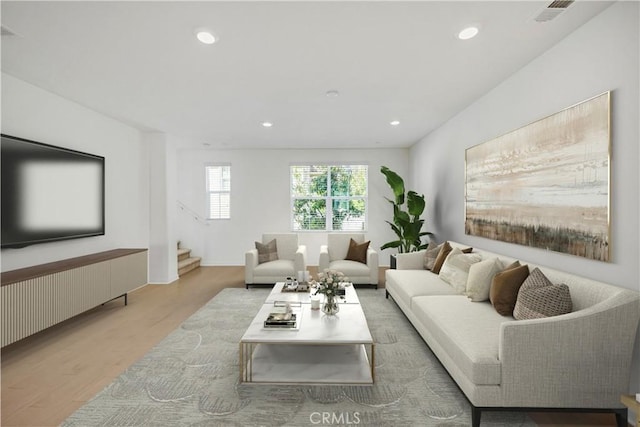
[{"x": 406, "y": 223}]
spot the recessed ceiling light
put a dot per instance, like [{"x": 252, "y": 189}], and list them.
[
  {"x": 332, "y": 93},
  {"x": 206, "y": 37},
  {"x": 267, "y": 124},
  {"x": 468, "y": 33},
  {"x": 394, "y": 123}
]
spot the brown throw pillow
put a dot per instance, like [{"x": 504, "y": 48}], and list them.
[
  {"x": 538, "y": 297},
  {"x": 445, "y": 250},
  {"x": 357, "y": 252},
  {"x": 267, "y": 252},
  {"x": 442, "y": 255},
  {"x": 504, "y": 289}
]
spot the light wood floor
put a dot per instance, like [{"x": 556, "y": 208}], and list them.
[{"x": 47, "y": 376}]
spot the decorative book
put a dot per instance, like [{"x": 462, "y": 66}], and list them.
[
  {"x": 282, "y": 316},
  {"x": 281, "y": 320}
]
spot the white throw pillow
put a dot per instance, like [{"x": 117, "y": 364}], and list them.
[
  {"x": 455, "y": 269},
  {"x": 480, "y": 277}
]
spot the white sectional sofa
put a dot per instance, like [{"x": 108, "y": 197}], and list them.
[{"x": 578, "y": 361}]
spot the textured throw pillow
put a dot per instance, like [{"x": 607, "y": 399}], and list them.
[
  {"x": 480, "y": 277},
  {"x": 455, "y": 269},
  {"x": 431, "y": 254},
  {"x": 357, "y": 252},
  {"x": 538, "y": 297},
  {"x": 504, "y": 289},
  {"x": 267, "y": 252}
]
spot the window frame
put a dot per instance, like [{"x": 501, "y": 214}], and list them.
[
  {"x": 328, "y": 198},
  {"x": 209, "y": 192}
]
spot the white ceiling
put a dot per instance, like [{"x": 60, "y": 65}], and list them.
[{"x": 139, "y": 62}]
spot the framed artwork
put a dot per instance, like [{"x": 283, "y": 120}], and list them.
[{"x": 545, "y": 185}]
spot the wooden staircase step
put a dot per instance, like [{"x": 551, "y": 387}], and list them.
[
  {"x": 186, "y": 265},
  {"x": 183, "y": 254}
]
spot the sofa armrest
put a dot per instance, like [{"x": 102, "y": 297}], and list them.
[
  {"x": 300, "y": 261},
  {"x": 410, "y": 260},
  {"x": 323, "y": 263},
  {"x": 250, "y": 262},
  {"x": 373, "y": 264},
  {"x": 580, "y": 359}
]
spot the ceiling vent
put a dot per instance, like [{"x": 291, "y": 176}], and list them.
[{"x": 553, "y": 10}]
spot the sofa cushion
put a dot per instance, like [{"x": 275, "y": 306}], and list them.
[
  {"x": 357, "y": 251},
  {"x": 504, "y": 289},
  {"x": 538, "y": 297},
  {"x": 431, "y": 254},
  {"x": 338, "y": 244},
  {"x": 411, "y": 260},
  {"x": 279, "y": 267},
  {"x": 287, "y": 244},
  {"x": 350, "y": 268},
  {"x": 468, "y": 332},
  {"x": 480, "y": 277},
  {"x": 267, "y": 252},
  {"x": 455, "y": 269},
  {"x": 406, "y": 284}
]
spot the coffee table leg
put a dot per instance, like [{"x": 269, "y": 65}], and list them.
[
  {"x": 373, "y": 362},
  {"x": 241, "y": 361}
]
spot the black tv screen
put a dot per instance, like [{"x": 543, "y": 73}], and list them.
[{"x": 49, "y": 193}]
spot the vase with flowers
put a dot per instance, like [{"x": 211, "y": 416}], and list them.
[{"x": 328, "y": 284}]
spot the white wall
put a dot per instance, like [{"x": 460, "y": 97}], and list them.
[
  {"x": 602, "y": 55},
  {"x": 260, "y": 199},
  {"x": 163, "y": 267},
  {"x": 32, "y": 113}
]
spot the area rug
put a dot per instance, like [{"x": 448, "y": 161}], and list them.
[{"x": 191, "y": 379}]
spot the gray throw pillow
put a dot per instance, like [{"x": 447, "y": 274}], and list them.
[
  {"x": 431, "y": 254},
  {"x": 267, "y": 252},
  {"x": 538, "y": 297}
]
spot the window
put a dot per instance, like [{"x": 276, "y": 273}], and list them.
[
  {"x": 218, "y": 191},
  {"x": 329, "y": 197}
]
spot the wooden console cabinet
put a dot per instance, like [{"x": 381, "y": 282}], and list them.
[{"x": 34, "y": 298}]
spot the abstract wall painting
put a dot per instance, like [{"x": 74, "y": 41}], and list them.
[{"x": 545, "y": 185}]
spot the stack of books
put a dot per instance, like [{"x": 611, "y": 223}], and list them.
[
  {"x": 281, "y": 320},
  {"x": 282, "y": 315}
]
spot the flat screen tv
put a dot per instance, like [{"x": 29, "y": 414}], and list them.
[{"x": 49, "y": 193}]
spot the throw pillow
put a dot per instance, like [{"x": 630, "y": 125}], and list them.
[
  {"x": 267, "y": 252},
  {"x": 480, "y": 277},
  {"x": 357, "y": 252},
  {"x": 442, "y": 255},
  {"x": 455, "y": 269},
  {"x": 504, "y": 289},
  {"x": 431, "y": 254},
  {"x": 538, "y": 297}
]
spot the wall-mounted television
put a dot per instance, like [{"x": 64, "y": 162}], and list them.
[{"x": 49, "y": 193}]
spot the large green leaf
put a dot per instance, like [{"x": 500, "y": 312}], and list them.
[
  {"x": 395, "y": 182},
  {"x": 394, "y": 244},
  {"x": 415, "y": 203}
]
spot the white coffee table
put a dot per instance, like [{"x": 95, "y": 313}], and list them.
[{"x": 324, "y": 349}]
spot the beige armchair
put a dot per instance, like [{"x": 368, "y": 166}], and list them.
[
  {"x": 333, "y": 254},
  {"x": 291, "y": 258}
]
